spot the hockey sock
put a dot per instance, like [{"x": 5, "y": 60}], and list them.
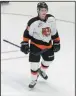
[
  {"x": 34, "y": 70},
  {"x": 45, "y": 65},
  {"x": 34, "y": 74}
]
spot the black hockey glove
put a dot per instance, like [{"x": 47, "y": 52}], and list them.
[
  {"x": 24, "y": 47},
  {"x": 56, "y": 46}
]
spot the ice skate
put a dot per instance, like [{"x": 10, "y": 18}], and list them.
[
  {"x": 43, "y": 74},
  {"x": 32, "y": 84}
]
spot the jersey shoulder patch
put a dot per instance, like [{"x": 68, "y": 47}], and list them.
[{"x": 32, "y": 20}]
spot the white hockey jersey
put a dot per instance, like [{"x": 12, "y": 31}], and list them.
[{"x": 41, "y": 32}]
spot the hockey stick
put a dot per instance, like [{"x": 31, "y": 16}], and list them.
[
  {"x": 11, "y": 43},
  {"x": 29, "y": 50}
]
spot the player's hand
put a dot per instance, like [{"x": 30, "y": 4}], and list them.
[
  {"x": 56, "y": 46},
  {"x": 24, "y": 47}
]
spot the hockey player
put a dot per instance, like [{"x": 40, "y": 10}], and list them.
[{"x": 42, "y": 33}]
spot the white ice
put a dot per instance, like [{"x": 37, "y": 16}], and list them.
[{"x": 15, "y": 72}]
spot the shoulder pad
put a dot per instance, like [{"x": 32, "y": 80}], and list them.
[
  {"x": 49, "y": 15},
  {"x": 32, "y": 20}
]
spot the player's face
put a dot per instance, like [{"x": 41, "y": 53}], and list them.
[{"x": 42, "y": 13}]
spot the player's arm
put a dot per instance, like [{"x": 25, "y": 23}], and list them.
[
  {"x": 26, "y": 38},
  {"x": 28, "y": 31},
  {"x": 55, "y": 37}
]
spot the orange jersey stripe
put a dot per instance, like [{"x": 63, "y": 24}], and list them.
[
  {"x": 25, "y": 39},
  {"x": 57, "y": 39},
  {"x": 42, "y": 46}
]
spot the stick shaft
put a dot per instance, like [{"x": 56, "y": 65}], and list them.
[{"x": 11, "y": 43}]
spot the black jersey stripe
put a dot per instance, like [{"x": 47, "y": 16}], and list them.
[
  {"x": 55, "y": 36},
  {"x": 32, "y": 20},
  {"x": 40, "y": 41}
]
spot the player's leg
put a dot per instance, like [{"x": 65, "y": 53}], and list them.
[
  {"x": 42, "y": 70},
  {"x": 34, "y": 74},
  {"x": 34, "y": 61},
  {"x": 48, "y": 57}
]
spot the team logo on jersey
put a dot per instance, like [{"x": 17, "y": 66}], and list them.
[{"x": 46, "y": 31}]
